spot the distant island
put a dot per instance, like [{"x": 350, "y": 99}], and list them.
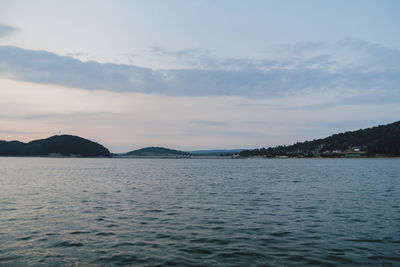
[
  {"x": 371, "y": 142},
  {"x": 215, "y": 152},
  {"x": 162, "y": 152},
  {"x": 157, "y": 152},
  {"x": 383, "y": 140},
  {"x": 58, "y": 145}
]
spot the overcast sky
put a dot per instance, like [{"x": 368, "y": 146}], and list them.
[{"x": 197, "y": 74}]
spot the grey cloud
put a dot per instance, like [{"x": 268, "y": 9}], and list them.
[
  {"x": 370, "y": 56},
  {"x": 7, "y": 30},
  {"x": 347, "y": 65},
  {"x": 49, "y": 68}
]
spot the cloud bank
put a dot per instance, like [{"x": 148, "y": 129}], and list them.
[{"x": 350, "y": 68}]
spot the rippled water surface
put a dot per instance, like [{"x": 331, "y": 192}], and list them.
[{"x": 146, "y": 212}]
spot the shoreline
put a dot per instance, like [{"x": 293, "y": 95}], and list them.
[{"x": 197, "y": 157}]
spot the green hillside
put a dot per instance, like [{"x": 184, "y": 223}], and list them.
[
  {"x": 65, "y": 145},
  {"x": 380, "y": 140},
  {"x": 157, "y": 152}
]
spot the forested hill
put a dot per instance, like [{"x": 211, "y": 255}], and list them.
[
  {"x": 65, "y": 145},
  {"x": 380, "y": 140},
  {"x": 157, "y": 152}
]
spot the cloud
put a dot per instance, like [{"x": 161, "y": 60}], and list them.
[
  {"x": 350, "y": 68},
  {"x": 7, "y": 30}
]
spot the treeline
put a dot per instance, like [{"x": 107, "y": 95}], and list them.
[
  {"x": 380, "y": 140},
  {"x": 157, "y": 152},
  {"x": 65, "y": 145}
]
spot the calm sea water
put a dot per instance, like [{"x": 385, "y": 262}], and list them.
[{"x": 146, "y": 212}]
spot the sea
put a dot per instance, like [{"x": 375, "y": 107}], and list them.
[{"x": 199, "y": 212}]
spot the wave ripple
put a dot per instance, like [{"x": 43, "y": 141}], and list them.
[{"x": 133, "y": 212}]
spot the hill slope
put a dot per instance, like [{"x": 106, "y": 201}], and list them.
[
  {"x": 215, "y": 152},
  {"x": 377, "y": 140},
  {"x": 157, "y": 152},
  {"x": 65, "y": 145}
]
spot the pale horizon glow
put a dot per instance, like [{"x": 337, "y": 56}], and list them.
[{"x": 194, "y": 75}]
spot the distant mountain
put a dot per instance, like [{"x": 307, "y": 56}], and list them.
[
  {"x": 157, "y": 152},
  {"x": 380, "y": 140},
  {"x": 65, "y": 145},
  {"x": 215, "y": 152}
]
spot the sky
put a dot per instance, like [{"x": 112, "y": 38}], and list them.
[{"x": 202, "y": 74}]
